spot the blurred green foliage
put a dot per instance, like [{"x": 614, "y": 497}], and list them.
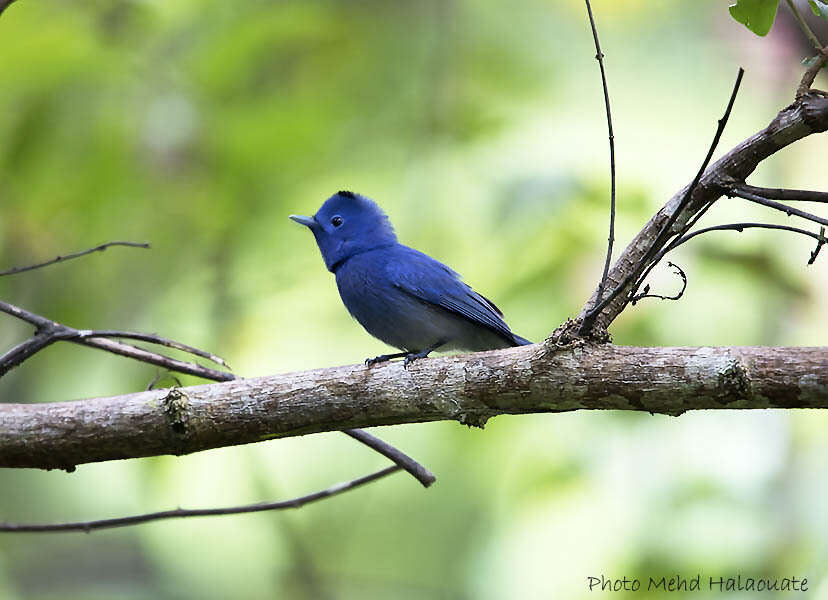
[{"x": 478, "y": 126}]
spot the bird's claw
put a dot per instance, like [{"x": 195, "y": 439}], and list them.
[
  {"x": 410, "y": 358},
  {"x": 381, "y": 358}
]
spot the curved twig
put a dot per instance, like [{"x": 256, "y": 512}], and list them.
[
  {"x": 677, "y": 296},
  {"x": 180, "y": 513},
  {"x": 65, "y": 257},
  {"x": 599, "y": 56},
  {"x": 420, "y": 473},
  {"x": 820, "y": 238}
]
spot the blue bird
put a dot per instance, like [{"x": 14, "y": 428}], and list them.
[{"x": 399, "y": 295}]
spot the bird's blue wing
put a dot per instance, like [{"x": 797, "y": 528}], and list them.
[{"x": 428, "y": 280}]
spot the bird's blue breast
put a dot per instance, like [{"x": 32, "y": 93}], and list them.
[{"x": 372, "y": 299}]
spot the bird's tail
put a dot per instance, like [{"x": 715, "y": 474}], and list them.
[{"x": 519, "y": 341}]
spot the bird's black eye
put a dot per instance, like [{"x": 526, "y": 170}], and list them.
[{"x": 336, "y": 221}]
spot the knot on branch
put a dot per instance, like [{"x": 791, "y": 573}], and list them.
[
  {"x": 734, "y": 383},
  {"x": 568, "y": 334},
  {"x": 472, "y": 419},
  {"x": 177, "y": 412},
  {"x": 814, "y": 110}
]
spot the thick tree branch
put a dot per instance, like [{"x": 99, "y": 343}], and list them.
[
  {"x": 804, "y": 117},
  {"x": 469, "y": 389},
  {"x": 48, "y": 332}
]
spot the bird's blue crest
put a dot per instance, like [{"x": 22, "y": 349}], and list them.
[{"x": 348, "y": 224}]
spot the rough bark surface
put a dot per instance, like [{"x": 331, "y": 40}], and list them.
[{"x": 469, "y": 389}]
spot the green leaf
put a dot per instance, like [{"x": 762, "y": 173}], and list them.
[
  {"x": 819, "y": 7},
  {"x": 756, "y": 15}
]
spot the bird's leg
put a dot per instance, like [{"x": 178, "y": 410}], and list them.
[
  {"x": 383, "y": 358},
  {"x": 412, "y": 356}
]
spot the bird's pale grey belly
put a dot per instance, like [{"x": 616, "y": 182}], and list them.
[{"x": 408, "y": 323}]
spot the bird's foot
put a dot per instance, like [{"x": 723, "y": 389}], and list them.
[
  {"x": 412, "y": 356},
  {"x": 383, "y": 358}
]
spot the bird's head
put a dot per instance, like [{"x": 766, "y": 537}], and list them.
[{"x": 348, "y": 224}]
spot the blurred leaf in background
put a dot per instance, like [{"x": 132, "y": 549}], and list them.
[
  {"x": 756, "y": 15},
  {"x": 479, "y": 127}
]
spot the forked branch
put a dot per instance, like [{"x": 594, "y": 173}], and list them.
[{"x": 670, "y": 226}]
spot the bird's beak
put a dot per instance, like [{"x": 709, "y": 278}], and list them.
[{"x": 306, "y": 221}]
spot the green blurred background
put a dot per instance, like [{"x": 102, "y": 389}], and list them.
[{"x": 479, "y": 127}]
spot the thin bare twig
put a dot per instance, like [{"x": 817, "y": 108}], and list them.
[
  {"x": 599, "y": 56},
  {"x": 755, "y": 194},
  {"x": 423, "y": 475},
  {"x": 803, "y": 25},
  {"x": 66, "y": 257},
  {"x": 784, "y": 194},
  {"x": 24, "y": 350},
  {"x": 820, "y": 243},
  {"x": 788, "y": 210},
  {"x": 665, "y": 231},
  {"x": 180, "y": 513},
  {"x": 154, "y": 338},
  {"x": 657, "y": 258},
  {"x": 46, "y": 328},
  {"x": 48, "y": 332},
  {"x": 819, "y": 61},
  {"x": 820, "y": 237},
  {"x": 810, "y": 75},
  {"x": 142, "y": 355},
  {"x": 677, "y": 296}
]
